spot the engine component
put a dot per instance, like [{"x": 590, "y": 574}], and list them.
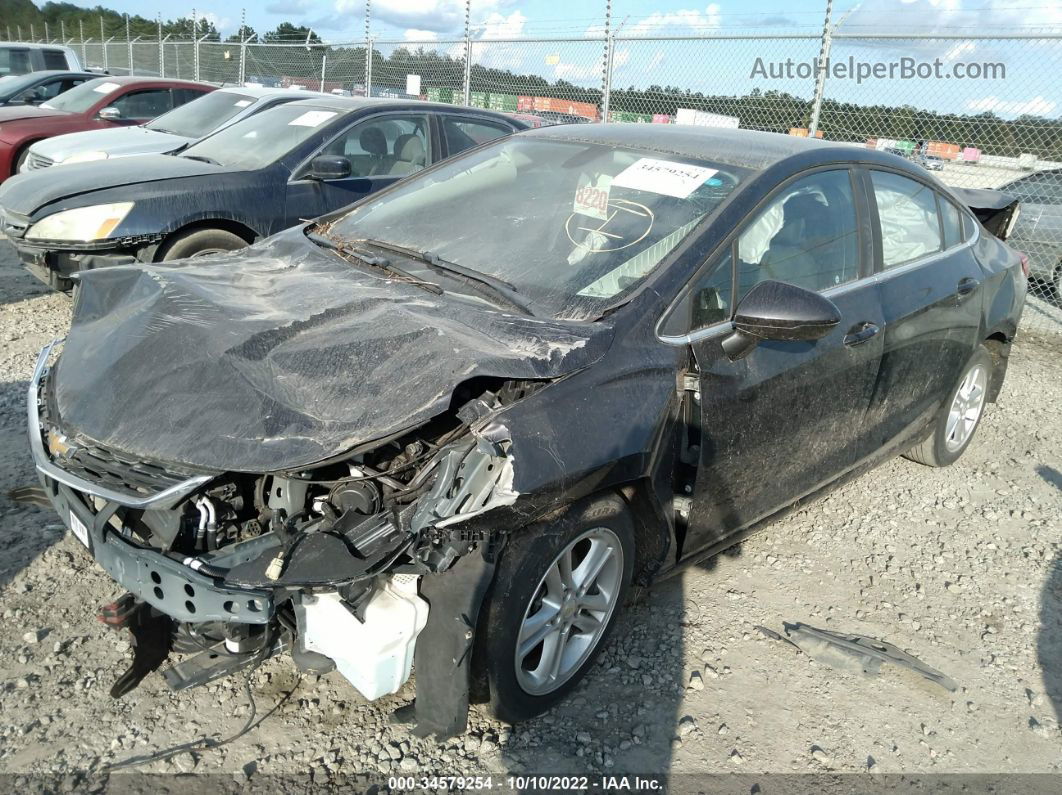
[{"x": 375, "y": 655}]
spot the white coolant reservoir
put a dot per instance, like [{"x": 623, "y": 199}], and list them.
[{"x": 375, "y": 656}]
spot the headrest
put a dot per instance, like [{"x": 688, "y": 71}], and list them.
[
  {"x": 410, "y": 149},
  {"x": 372, "y": 141}
]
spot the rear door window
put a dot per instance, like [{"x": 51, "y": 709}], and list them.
[
  {"x": 462, "y": 134},
  {"x": 907, "y": 212},
  {"x": 55, "y": 59},
  {"x": 951, "y": 222}
]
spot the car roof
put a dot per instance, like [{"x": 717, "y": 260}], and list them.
[
  {"x": 29, "y": 45},
  {"x": 126, "y": 80},
  {"x": 750, "y": 149},
  {"x": 349, "y": 104},
  {"x": 262, "y": 92}
]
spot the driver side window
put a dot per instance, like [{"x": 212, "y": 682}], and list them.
[
  {"x": 394, "y": 146},
  {"x": 807, "y": 236}
]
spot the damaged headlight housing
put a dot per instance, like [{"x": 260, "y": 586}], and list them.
[{"x": 83, "y": 224}]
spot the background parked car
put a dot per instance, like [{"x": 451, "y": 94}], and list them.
[
  {"x": 1038, "y": 231},
  {"x": 170, "y": 131},
  {"x": 930, "y": 162},
  {"x": 95, "y": 104},
  {"x": 249, "y": 180},
  {"x": 18, "y": 58},
  {"x": 37, "y": 87}
]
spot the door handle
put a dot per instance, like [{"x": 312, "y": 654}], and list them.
[
  {"x": 861, "y": 333},
  {"x": 967, "y": 286}
]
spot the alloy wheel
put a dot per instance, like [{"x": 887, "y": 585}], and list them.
[
  {"x": 966, "y": 408},
  {"x": 569, "y": 612}
]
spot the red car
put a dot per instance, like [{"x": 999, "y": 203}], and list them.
[{"x": 105, "y": 102}]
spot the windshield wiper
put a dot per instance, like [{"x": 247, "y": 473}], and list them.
[
  {"x": 345, "y": 250},
  {"x": 202, "y": 159},
  {"x": 484, "y": 283}
]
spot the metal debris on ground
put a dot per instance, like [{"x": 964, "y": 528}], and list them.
[{"x": 856, "y": 653}]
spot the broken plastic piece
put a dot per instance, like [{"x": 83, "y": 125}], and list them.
[{"x": 856, "y": 653}]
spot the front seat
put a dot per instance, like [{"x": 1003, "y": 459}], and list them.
[
  {"x": 409, "y": 155},
  {"x": 792, "y": 255},
  {"x": 374, "y": 143}
]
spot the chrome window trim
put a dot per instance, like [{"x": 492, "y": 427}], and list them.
[{"x": 162, "y": 499}]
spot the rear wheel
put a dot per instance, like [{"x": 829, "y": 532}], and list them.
[
  {"x": 959, "y": 417},
  {"x": 201, "y": 243},
  {"x": 558, "y": 592}
]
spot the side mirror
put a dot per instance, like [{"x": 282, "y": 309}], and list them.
[
  {"x": 328, "y": 167},
  {"x": 779, "y": 311},
  {"x": 110, "y": 114}
]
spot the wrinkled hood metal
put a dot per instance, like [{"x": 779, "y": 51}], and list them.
[
  {"x": 27, "y": 193},
  {"x": 115, "y": 141},
  {"x": 282, "y": 355}
]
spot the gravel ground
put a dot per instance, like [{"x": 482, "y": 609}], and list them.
[{"x": 961, "y": 567}]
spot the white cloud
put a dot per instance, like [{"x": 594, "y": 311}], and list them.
[
  {"x": 413, "y": 34},
  {"x": 687, "y": 19},
  {"x": 949, "y": 16},
  {"x": 1037, "y": 106}
]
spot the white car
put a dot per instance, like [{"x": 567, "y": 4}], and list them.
[
  {"x": 19, "y": 58},
  {"x": 169, "y": 132}
]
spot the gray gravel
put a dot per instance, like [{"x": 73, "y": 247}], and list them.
[{"x": 959, "y": 566}]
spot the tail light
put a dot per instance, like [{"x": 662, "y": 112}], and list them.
[{"x": 1024, "y": 264}]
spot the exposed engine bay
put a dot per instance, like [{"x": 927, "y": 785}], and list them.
[{"x": 323, "y": 563}]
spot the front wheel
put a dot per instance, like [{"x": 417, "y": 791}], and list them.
[
  {"x": 959, "y": 417},
  {"x": 201, "y": 243},
  {"x": 557, "y": 594}
]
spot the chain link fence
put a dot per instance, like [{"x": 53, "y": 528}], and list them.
[{"x": 995, "y": 130}]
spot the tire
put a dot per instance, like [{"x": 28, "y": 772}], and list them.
[
  {"x": 951, "y": 435},
  {"x": 526, "y": 583},
  {"x": 201, "y": 243}
]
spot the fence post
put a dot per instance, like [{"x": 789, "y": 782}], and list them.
[
  {"x": 106, "y": 64},
  {"x": 33, "y": 33},
  {"x": 324, "y": 65},
  {"x": 195, "y": 45},
  {"x": 162, "y": 55},
  {"x": 820, "y": 72},
  {"x": 47, "y": 35},
  {"x": 62, "y": 31},
  {"x": 129, "y": 44},
  {"x": 243, "y": 45},
  {"x": 368, "y": 49},
  {"x": 468, "y": 53},
  {"x": 84, "y": 44},
  {"x": 606, "y": 65}
]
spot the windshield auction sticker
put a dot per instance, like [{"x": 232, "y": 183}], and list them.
[
  {"x": 664, "y": 177},
  {"x": 312, "y": 118},
  {"x": 105, "y": 88},
  {"x": 592, "y": 200}
]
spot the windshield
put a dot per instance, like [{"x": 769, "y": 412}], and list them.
[
  {"x": 202, "y": 116},
  {"x": 11, "y": 85},
  {"x": 82, "y": 97},
  {"x": 570, "y": 225},
  {"x": 264, "y": 138}
]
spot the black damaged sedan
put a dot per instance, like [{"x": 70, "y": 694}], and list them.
[{"x": 454, "y": 424}]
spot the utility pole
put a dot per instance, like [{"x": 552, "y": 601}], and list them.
[
  {"x": 468, "y": 53},
  {"x": 368, "y": 49},
  {"x": 606, "y": 66},
  {"x": 820, "y": 72}
]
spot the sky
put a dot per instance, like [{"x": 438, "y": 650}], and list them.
[{"x": 1030, "y": 84}]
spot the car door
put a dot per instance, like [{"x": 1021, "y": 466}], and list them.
[
  {"x": 787, "y": 417},
  {"x": 381, "y": 150},
  {"x": 931, "y": 293}
]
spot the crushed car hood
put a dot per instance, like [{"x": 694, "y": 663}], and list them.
[
  {"x": 282, "y": 355},
  {"x": 115, "y": 141},
  {"x": 26, "y": 193}
]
